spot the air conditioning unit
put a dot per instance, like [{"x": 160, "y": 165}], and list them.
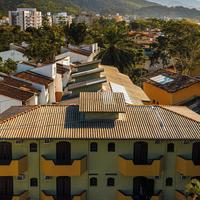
[
  {"x": 21, "y": 177},
  {"x": 19, "y": 141},
  {"x": 47, "y": 177}
]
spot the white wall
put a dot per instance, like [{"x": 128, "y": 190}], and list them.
[
  {"x": 14, "y": 55},
  {"x": 7, "y": 102},
  {"x": 47, "y": 70},
  {"x": 21, "y": 67},
  {"x": 52, "y": 92}
]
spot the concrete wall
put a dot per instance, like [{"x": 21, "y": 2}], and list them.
[
  {"x": 7, "y": 102},
  {"x": 165, "y": 98},
  {"x": 102, "y": 165}
]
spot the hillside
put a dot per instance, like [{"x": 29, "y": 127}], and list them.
[
  {"x": 184, "y": 3},
  {"x": 133, "y": 7}
]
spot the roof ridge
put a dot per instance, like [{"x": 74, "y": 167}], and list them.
[
  {"x": 32, "y": 108},
  {"x": 165, "y": 108}
]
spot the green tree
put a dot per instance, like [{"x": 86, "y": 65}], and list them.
[
  {"x": 193, "y": 187},
  {"x": 180, "y": 43},
  {"x": 8, "y": 66},
  {"x": 76, "y": 33},
  {"x": 119, "y": 50}
]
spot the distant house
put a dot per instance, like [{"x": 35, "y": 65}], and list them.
[{"x": 15, "y": 92}]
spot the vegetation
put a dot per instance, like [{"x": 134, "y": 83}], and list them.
[
  {"x": 180, "y": 43},
  {"x": 193, "y": 188},
  {"x": 8, "y": 66}
]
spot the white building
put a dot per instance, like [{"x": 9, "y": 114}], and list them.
[
  {"x": 25, "y": 17},
  {"x": 15, "y": 92},
  {"x": 62, "y": 18},
  {"x": 13, "y": 55}
]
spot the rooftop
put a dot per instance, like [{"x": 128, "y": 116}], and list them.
[
  {"x": 141, "y": 122},
  {"x": 102, "y": 102},
  {"x": 88, "y": 72},
  {"x": 169, "y": 81},
  {"x": 118, "y": 82},
  {"x": 88, "y": 63},
  {"x": 35, "y": 77},
  {"x": 13, "y": 81},
  {"x": 15, "y": 92},
  {"x": 60, "y": 69},
  {"x": 86, "y": 83}
]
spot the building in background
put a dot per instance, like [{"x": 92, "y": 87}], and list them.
[
  {"x": 62, "y": 18},
  {"x": 4, "y": 20},
  {"x": 85, "y": 17},
  {"x": 25, "y": 17}
]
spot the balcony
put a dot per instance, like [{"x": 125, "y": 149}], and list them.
[
  {"x": 128, "y": 168},
  {"x": 46, "y": 196},
  {"x": 21, "y": 196},
  {"x": 181, "y": 196},
  {"x": 76, "y": 168},
  {"x": 186, "y": 167},
  {"x": 14, "y": 167},
  {"x": 122, "y": 196}
]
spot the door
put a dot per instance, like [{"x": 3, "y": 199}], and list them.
[
  {"x": 143, "y": 188},
  {"x": 140, "y": 153},
  {"x": 5, "y": 152},
  {"x": 63, "y": 188},
  {"x": 63, "y": 153},
  {"x": 6, "y": 187},
  {"x": 196, "y": 153}
]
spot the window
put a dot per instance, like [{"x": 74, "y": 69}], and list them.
[
  {"x": 93, "y": 147},
  {"x": 33, "y": 182},
  {"x": 33, "y": 147},
  {"x": 169, "y": 181},
  {"x": 110, "y": 182},
  {"x": 93, "y": 181},
  {"x": 170, "y": 147},
  {"x": 111, "y": 147}
]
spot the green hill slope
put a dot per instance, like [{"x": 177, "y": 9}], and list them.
[{"x": 134, "y": 7}]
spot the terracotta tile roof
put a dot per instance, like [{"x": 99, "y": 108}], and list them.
[
  {"x": 12, "y": 81},
  {"x": 141, "y": 122},
  {"x": 176, "y": 81},
  {"x": 34, "y": 77},
  {"x": 15, "y": 93},
  {"x": 135, "y": 93},
  {"x": 14, "y": 111},
  {"x": 86, "y": 83},
  {"x": 60, "y": 69},
  {"x": 102, "y": 102}
]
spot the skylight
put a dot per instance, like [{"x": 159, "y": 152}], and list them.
[{"x": 162, "y": 79}]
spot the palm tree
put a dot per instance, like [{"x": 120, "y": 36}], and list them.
[
  {"x": 118, "y": 49},
  {"x": 193, "y": 187}
]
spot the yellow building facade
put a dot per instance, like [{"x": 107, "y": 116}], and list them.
[{"x": 125, "y": 153}]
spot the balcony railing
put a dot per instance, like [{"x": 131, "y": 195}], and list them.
[
  {"x": 14, "y": 167},
  {"x": 21, "y": 196},
  {"x": 46, "y": 196},
  {"x": 122, "y": 196},
  {"x": 186, "y": 167},
  {"x": 128, "y": 168},
  {"x": 76, "y": 168}
]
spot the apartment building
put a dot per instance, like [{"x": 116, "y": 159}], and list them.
[
  {"x": 25, "y": 17},
  {"x": 100, "y": 149},
  {"x": 62, "y": 18}
]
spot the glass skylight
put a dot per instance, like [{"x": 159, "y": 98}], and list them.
[{"x": 162, "y": 79}]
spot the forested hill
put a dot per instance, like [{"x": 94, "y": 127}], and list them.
[{"x": 134, "y": 7}]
